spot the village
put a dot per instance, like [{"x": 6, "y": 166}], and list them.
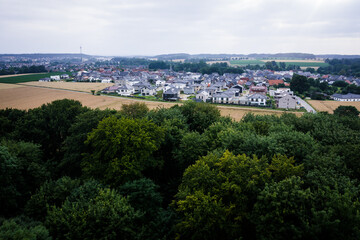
[{"x": 258, "y": 88}]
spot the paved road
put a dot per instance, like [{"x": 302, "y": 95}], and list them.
[{"x": 305, "y": 105}]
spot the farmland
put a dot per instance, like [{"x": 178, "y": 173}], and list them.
[
  {"x": 27, "y": 77},
  {"x": 300, "y": 63},
  {"x": 330, "y": 106},
  {"x": 246, "y": 62},
  {"x": 27, "y": 97},
  {"x": 75, "y": 86}
]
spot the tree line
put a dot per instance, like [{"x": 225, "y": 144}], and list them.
[
  {"x": 313, "y": 88},
  {"x": 23, "y": 69},
  {"x": 186, "y": 172},
  {"x": 346, "y": 67},
  {"x": 199, "y": 67}
]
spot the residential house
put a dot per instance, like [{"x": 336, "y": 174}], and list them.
[
  {"x": 239, "y": 88},
  {"x": 257, "y": 99},
  {"x": 275, "y": 82},
  {"x": 106, "y": 80},
  {"x": 189, "y": 90},
  {"x": 125, "y": 90},
  {"x": 197, "y": 87},
  {"x": 55, "y": 78},
  {"x": 280, "y": 92},
  {"x": 224, "y": 97},
  {"x": 258, "y": 89},
  {"x": 350, "y": 97},
  {"x": 179, "y": 84},
  {"x": 45, "y": 80},
  {"x": 64, "y": 76},
  {"x": 160, "y": 83},
  {"x": 203, "y": 96},
  {"x": 148, "y": 91},
  {"x": 171, "y": 94},
  {"x": 141, "y": 85},
  {"x": 287, "y": 102},
  {"x": 111, "y": 89}
]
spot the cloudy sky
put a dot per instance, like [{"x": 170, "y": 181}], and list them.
[{"x": 150, "y": 27}]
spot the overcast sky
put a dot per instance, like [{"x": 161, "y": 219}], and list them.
[{"x": 150, "y": 27}]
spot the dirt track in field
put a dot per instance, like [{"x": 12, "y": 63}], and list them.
[{"x": 27, "y": 97}]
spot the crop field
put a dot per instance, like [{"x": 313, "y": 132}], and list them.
[
  {"x": 27, "y": 97},
  {"x": 301, "y": 63},
  {"x": 75, "y": 86},
  {"x": 330, "y": 106},
  {"x": 27, "y": 77},
  {"x": 247, "y": 62}
]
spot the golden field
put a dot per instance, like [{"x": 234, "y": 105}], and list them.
[
  {"x": 27, "y": 97},
  {"x": 75, "y": 86},
  {"x": 330, "y": 106}
]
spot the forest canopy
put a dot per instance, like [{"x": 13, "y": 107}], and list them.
[{"x": 186, "y": 172}]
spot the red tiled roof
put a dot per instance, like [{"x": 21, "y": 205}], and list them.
[{"x": 275, "y": 82}]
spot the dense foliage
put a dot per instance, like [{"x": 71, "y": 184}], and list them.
[
  {"x": 348, "y": 67},
  {"x": 199, "y": 66},
  {"x": 69, "y": 172},
  {"x": 23, "y": 69}
]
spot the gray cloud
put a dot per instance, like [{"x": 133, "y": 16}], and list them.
[{"x": 128, "y": 27}]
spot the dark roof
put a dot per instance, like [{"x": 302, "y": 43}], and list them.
[
  {"x": 171, "y": 91},
  {"x": 346, "y": 96}
]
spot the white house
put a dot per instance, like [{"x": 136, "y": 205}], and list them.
[
  {"x": 106, "y": 80},
  {"x": 125, "y": 90},
  {"x": 160, "y": 83},
  {"x": 257, "y": 99},
  {"x": 224, "y": 97},
  {"x": 55, "y": 78},
  {"x": 203, "y": 96},
  {"x": 148, "y": 91},
  {"x": 280, "y": 92}
]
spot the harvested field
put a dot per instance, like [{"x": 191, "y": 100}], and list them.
[
  {"x": 15, "y": 75},
  {"x": 7, "y": 86},
  {"x": 330, "y": 106},
  {"x": 27, "y": 97},
  {"x": 75, "y": 86}
]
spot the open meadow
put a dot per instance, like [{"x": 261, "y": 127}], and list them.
[
  {"x": 27, "y": 97},
  {"x": 330, "y": 106}
]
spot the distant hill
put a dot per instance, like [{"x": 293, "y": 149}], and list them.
[
  {"x": 337, "y": 56},
  {"x": 283, "y": 55},
  {"x": 227, "y": 56},
  {"x": 187, "y": 56},
  {"x": 46, "y": 55}
]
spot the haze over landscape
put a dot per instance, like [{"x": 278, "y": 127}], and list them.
[{"x": 140, "y": 27}]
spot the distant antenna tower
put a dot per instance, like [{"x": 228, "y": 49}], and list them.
[{"x": 80, "y": 54}]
